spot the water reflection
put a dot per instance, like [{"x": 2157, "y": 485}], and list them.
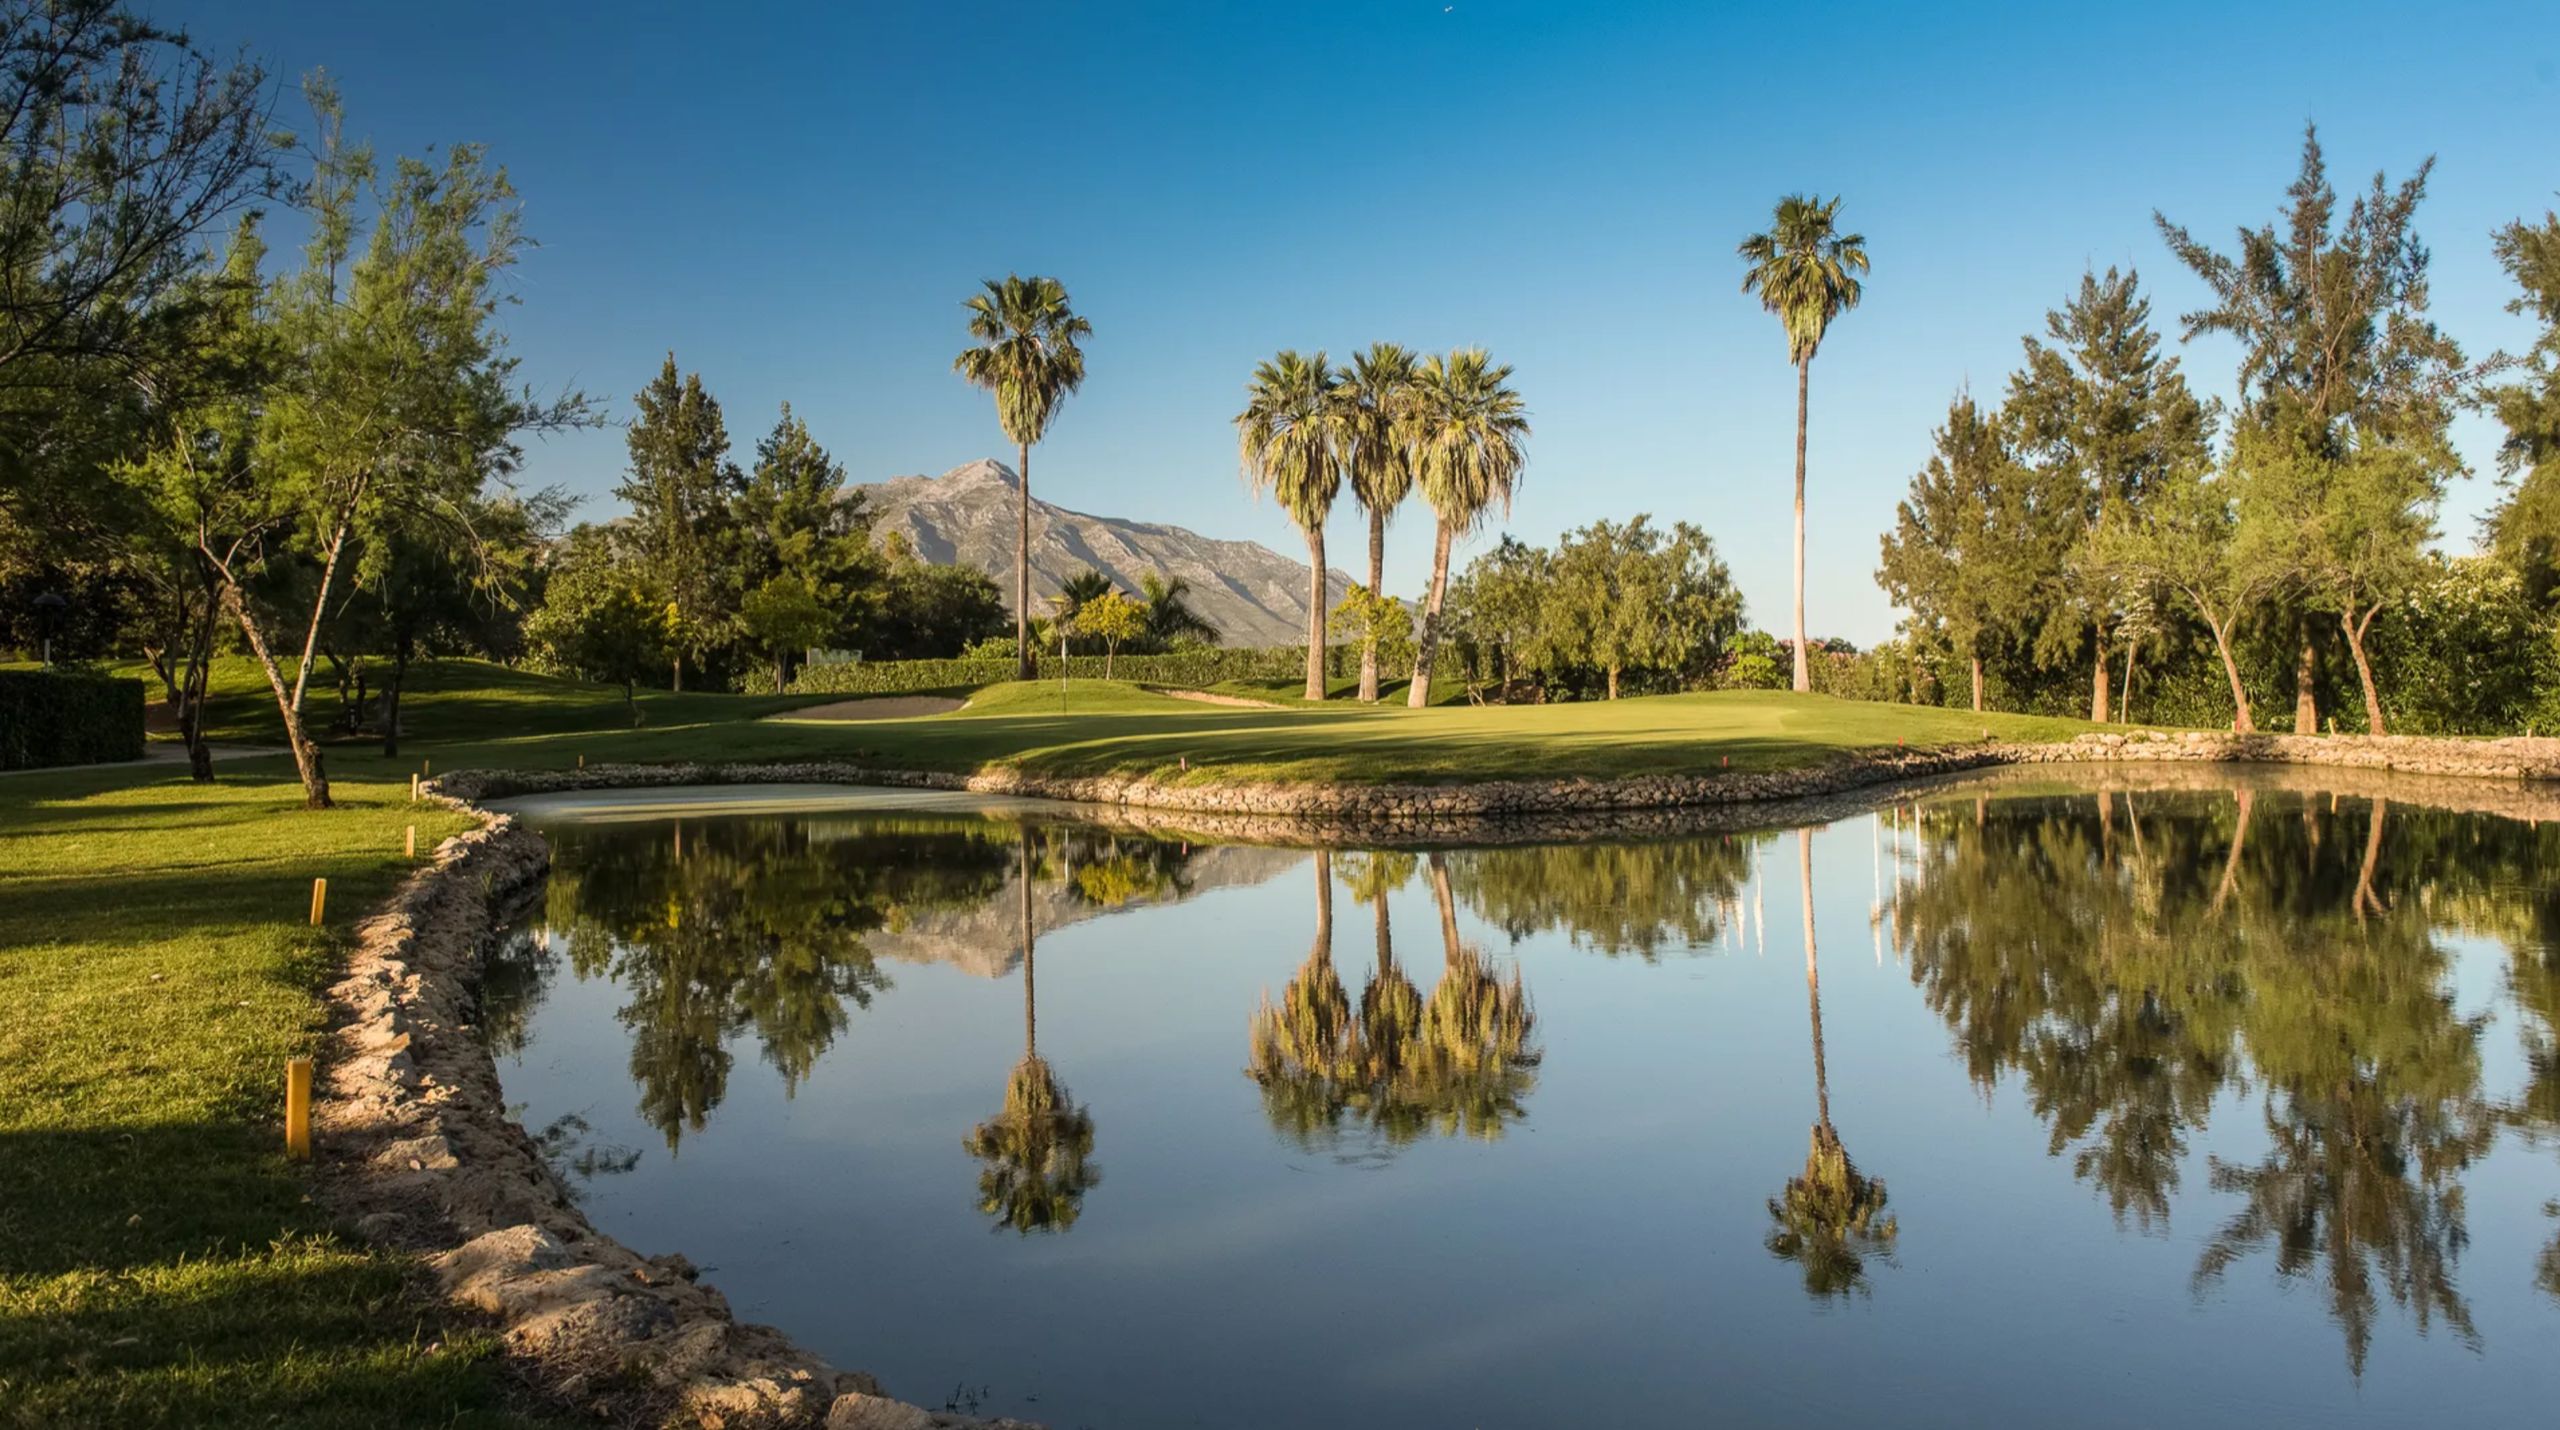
[
  {"x": 1462, "y": 1061},
  {"x": 1038, "y": 1151},
  {"x": 1832, "y": 1218},
  {"x": 2320, "y": 1033},
  {"x": 2129, "y": 959}
]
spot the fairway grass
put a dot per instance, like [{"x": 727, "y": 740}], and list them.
[{"x": 161, "y": 1263}]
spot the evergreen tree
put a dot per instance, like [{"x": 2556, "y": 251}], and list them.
[
  {"x": 2108, "y": 419},
  {"x": 679, "y": 487},
  {"x": 2524, "y": 529}
]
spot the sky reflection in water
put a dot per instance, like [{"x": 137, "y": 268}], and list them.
[{"x": 2204, "y": 1107}]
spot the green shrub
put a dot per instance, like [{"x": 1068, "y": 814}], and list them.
[{"x": 58, "y": 718}]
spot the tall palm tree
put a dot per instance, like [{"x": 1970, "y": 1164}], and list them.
[
  {"x": 1290, "y": 438},
  {"x": 1468, "y": 427},
  {"x": 1805, "y": 272},
  {"x": 1024, "y": 351},
  {"x": 1377, "y": 390}
]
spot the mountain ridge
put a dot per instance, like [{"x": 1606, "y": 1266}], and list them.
[{"x": 1254, "y": 595}]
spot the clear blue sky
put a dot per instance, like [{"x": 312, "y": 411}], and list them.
[{"x": 796, "y": 201}]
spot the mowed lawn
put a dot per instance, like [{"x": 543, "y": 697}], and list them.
[{"x": 160, "y": 1263}]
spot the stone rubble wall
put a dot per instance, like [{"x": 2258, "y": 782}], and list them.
[{"x": 417, "y": 1147}]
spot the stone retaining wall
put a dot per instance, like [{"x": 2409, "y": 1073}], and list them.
[{"x": 420, "y": 1149}]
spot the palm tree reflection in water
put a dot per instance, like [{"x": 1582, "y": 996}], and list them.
[
  {"x": 1038, "y": 1151},
  {"x": 1832, "y": 1218}
]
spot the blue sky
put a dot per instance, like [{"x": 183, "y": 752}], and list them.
[{"x": 796, "y": 200}]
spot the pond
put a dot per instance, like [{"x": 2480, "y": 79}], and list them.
[{"x": 2007, "y": 1103}]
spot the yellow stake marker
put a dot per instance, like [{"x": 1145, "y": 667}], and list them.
[
  {"x": 319, "y": 899},
  {"x": 297, "y": 1108},
  {"x": 582, "y": 762},
  {"x": 410, "y": 847},
  {"x": 426, "y": 767},
  {"x": 413, "y": 789}
]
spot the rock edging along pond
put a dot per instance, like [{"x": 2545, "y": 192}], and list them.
[
  {"x": 1435, "y": 808},
  {"x": 419, "y": 1149}
]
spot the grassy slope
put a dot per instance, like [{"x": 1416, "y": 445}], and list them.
[{"x": 157, "y": 1261}]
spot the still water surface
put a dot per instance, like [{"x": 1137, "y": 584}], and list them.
[{"x": 2195, "y": 1107}]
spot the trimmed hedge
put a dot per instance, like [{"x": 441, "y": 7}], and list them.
[
  {"x": 1189, "y": 669},
  {"x": 54, "y": 718}
]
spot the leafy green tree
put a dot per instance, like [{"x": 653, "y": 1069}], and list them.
[
  {"x": 2337, "y": 351},
  {"x": 1292, "y": 436},
  {"x": 376, "y": 388},
  {"x": 2363, "y": 525},
  {"x": 1629, "y": 597},
  {"x": 2524, "y": 528},
  {"x": 2102, "y": 419},
  {"x": 1380, "y": 626},
  {"x": 782, "y": 616},
  {"x": 928, "y": 611},
  {"x": 1378, "y": 427},
  {"x": 1027, "y": 351},
  {"x": 2216, "y": 542},
  {"x": 1499, "y": 610},
  {"x": 680, "y": 486},
  {"x": 1468, "y": 436},
  {"x": 1804, "y": 271},
  {"x": 600, "y": 618},
  {"x": 1112, "y": 619},
  {"x": 455, "y": 583}
]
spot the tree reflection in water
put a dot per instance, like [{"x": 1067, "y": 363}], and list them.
[
  {"x": 1038, "y": 1151},
  {"x": 748, "y": 925},
  {"x": 1404, "y": 1066},
  {"x": 1832, "y": 1218},
  {"x": 2127, "y": 968}
]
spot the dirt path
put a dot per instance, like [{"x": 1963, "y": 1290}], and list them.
[{"x": 877, "y": 707}]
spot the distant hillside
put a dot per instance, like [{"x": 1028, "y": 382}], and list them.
[{"x": 1254, "y": 595}]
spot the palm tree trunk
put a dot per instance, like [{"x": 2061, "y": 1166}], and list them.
[
  {"x": 1377, "y": 579},
  {"x": 1324, "y": 904},
  {"x": 1315, "y": 612},
  {"x": 1977, "y": 685},
  {"x": 1448, "y": 909},
  {"x": 1026, "y": 665},
  {"x": 2098, "y": 675},
  {"x": 1813, "y": 976},
  {"x": 1804, "y": 380},
  {"x": 1386, "y": 939},
  {"x": 1419, "y": 694}
]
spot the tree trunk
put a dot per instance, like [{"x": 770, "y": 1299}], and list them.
[
  {"x": 306, "y": 755},
  {"x": 196, "y": 684},
  {"x": 2241, "y": 724},
  {"x": 1315, "y": 612},
  {"x": 1419, "y": 695},
  {"x": 2355, "y": 632},
  {"x": 2365, "y": 895},
  {"x": 2306, "y": 702},
  {"x": 1324, "y": 905},
  {"x": 631, "y": 701},
  {"x": 2124, "y": 701},
  {"x": 1026, "y": 665},
  {"x": 2098, "y": 711},
  {"x": 1977, "y": 685},
  {"x": 1613, "y": 682},
  {"x": 2239, "y": 841},
  {"x": 678, "y": 671},
  {"x": 1804, "y": 379},
  {"x": 1377, "y": 581},
  {"x": 1813, "y": 976},
  {"x": 391, "y": 697}
]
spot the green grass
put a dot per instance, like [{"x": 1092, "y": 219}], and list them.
[{"x": 160, "y": 1263}]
